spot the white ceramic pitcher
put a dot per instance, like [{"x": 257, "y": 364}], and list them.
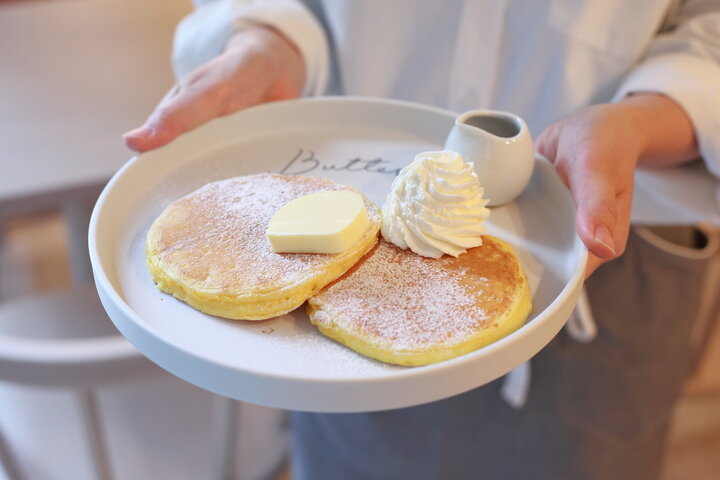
[{"x": 500, "y": 146}]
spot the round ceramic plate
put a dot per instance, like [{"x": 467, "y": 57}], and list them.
[{"x": 285, "y": 362}]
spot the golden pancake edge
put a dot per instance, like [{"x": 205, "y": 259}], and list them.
[
  {"x": 209, "y": 248},
  {"x": 401, "y": 308}
]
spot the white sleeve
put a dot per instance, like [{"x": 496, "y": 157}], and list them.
[
  {"x": 684, "y": 64},
  {"x": 203, "y": 34}
]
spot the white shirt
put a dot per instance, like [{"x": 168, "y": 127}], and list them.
[{"x": 541, "y": 59}]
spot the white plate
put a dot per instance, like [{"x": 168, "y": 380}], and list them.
[{"x": 285, "y": 362}]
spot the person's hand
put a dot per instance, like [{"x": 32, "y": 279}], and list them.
[
  {"x": 259, "y": 65},
  {"x": 596, "y": 151}
]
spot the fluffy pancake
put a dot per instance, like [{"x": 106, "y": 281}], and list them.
[
  {"x": 398, "y": 307},
  {"x": 209, "y": 248}
]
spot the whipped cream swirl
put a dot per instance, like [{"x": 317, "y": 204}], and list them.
[{"x": 435, "y": 206}]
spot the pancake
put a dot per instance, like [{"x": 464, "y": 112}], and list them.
[
  {"x": 209, "y": 248},
  {"x": 401, "y": 308}
]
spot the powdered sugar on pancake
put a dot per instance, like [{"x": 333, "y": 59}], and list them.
[
  {"x": 402, "y": 301},
  {"x": 219, "y": 236}
]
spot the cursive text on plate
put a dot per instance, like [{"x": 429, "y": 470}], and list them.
[{"x": 305, "y": 161}]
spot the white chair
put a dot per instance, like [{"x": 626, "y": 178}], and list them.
[{"x": 65, "y": 339}]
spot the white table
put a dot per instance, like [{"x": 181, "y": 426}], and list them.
[{"x": 75, "y": 75}]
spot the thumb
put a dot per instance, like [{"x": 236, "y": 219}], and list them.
[
  {"x": 594, "y": 199},
  {"x": 182, "y": 109},
  {"x": 141, "y": 139},
  {"x": 546, "y": 143},
  {"x": 597, "y": 217}
]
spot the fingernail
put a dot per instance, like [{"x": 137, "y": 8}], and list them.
[
  {"x": 141, "y": 132},
  {"x": 602, "y": 235}
]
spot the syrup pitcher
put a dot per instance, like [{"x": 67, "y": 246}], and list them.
[{"x": 500, "y": 146}]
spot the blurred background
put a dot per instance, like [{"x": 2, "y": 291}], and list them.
[{"x": 76, "y": 401}]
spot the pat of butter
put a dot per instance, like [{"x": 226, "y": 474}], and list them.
[{"x": 321, "y": 222}]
